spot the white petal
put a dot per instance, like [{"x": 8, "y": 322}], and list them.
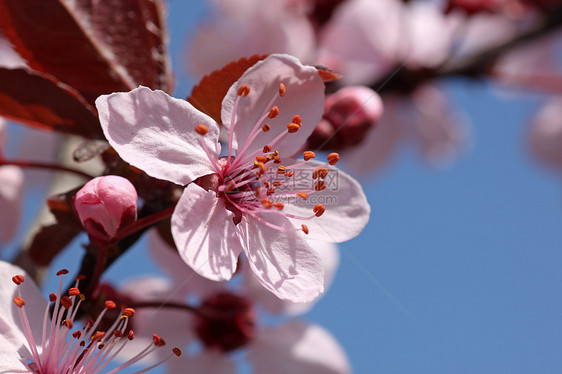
[
  {"x": 205, "y": 234},
  {"x": 297, "y": 347},
  {"x": 11, "y": 330},
  {"x": 282, "y": 261},
  {"x": 329, "y": 256},
  {"x": 156, "y": 133},
  {"x": 304, "y": 96},
  {"x": 347, "y": 210}
]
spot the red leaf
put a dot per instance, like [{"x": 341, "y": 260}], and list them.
[
  {"x": 97, "y": 47},
  {"x": 207, "y": 96},
  {"x": 39, "y": 100}
]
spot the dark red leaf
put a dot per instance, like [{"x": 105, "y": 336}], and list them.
[
  {"x": 38, "y": 100},
  {"x": 97, "y": 47},
  {"x": 50, "y": 241},
  {"x": 208, "y": 94}
]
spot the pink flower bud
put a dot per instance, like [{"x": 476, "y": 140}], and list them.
[
  {"x": 106, "y": 205},
  {"x": 348, "y": 115}
]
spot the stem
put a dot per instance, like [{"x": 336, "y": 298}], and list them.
[
  {"x": 44, "y": 165},
  {"x": 101, "y": 259},
  {"x": 145, "y": 222}
]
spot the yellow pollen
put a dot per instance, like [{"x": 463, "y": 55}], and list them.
[
  {"x": 19, "y": 301},
  {"x": 274, "y": 112},
  {"x": 244, "y": 90},
  {"x": 281, "y": 169},
  {"x": 266, "y": 127},
  {"x": 319, "y": 209},
  {"x": 333, "y": 158},
  {"x": 320, "y": 185},
  {"x": 305, "y": 229},
  {"x": 282, "y": 89},
  {"x": 267, "y": 149},
  {"x": 303, "y": 195},
  {"x": 201, "y": 129},
  {"x": 293, "y": 127},
  {"x": 297, "y": 119},
  {"x": 308, "y": 155}
]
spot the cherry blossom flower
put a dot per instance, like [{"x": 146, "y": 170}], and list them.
[
  {"x": 256, "y": 198},
  {"x": 228, "y": 320},
  {"x": 33, "y": 342},
  {"x": 245, "y": 27},
  {"x": 545, "y": 134}
]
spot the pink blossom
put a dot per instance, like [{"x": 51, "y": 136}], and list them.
[
  {"x": 545, "y": 134},
  {"x": 293, "y": 346},
  {"x": 106, "y": 205},
  {"x": 33, "y": 342},
  {"x": 245, "y": 27},
  {"x": 425, "y": 118},
  {"x": 249, "y": 200}
]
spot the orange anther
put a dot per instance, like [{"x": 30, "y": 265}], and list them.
[
  {"x": 333, "y": 158},
  {"x": 279, "y": 206},
  {"x": 277, "y": 183},
  {"x": 117, "y": 333},
  {"x": 129, "y": 312},
  {"x": 261, "y": 159},
  {"x": 290, "y": 173},
  {"x": 244, "y": 90},
  {"x": 274, "y": 112},
  {"x": 18, "y": 279},
  {"x": 303, "y": 195},
  {"x": 98, "y": 335},
  {"x": 201, "y": 129},
  {"x": 298, "y": 120},
  {"x": 319, "y": 209},
  {"x": 131, "y": 335},
  {"x": 110, "y": 304},
  {"x": 305, "y": 229},
  {"x": 19, "y": 301},
  {"x": 293, "y": 127},
  {"x": 308, "y": 155},
  {"x": 276, "y": 160},
  {"x": 52, "y": 297},
  {"x": 281, "y": 169},
  {"x": 261, "y": 166},
  {"x": 77, "y": 334},
  {"x": 156, "y": 340},
  {"x": 320, "y": 185},
  {"x": 267, "y": 149},
  {"x": 270, "y": 191},
  {"x": 265, "y": 127},
  {"x": 66, "y": 302},
  {"x": 282, "y": 89},
  {"x": 176, "y": 351},
  {"x": 320, "y": 173},
  {"x": 62, "y": 272},
  {"x": 74, "y": 291}
]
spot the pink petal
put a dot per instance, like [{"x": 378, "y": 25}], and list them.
[
  {"x": 208, "y": 362},
  {"x": 205, "y": 234},
  {"x": 156, "y": 133},
  {"x": 545, "y": 134},
  {"x": 347, "y": 210},
  {"x": 173, "y": 325},
  {"x": 186, "y": 280},
  {"x": 304, "y": 96},
  {"x": 11, "y": 185},
  {"x": 11, "y": 330},
  {"x": 282, "y": 261},
  {"x": 329, "y": 256},
  {"x": 297, "y": 347}
]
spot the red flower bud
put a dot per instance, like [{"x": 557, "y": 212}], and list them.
[
  {"x": 106, "y": 205},
  {"x": 348, "y": 115}
]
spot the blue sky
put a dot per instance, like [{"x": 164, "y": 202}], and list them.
[{"x": 458, "y": 269}]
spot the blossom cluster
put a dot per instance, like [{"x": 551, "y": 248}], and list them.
[{"x": 238, "y": 187}]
